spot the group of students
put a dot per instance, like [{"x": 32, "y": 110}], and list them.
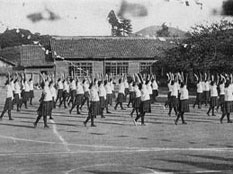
[
  {"x": 19, "y": 91},
  {"x": 213, "y": 90},
  {"x": 98, "y": 94}
]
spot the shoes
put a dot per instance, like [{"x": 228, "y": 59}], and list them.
[
  {"x": 102, "y": 116},
  {"x": 208, "y": 114},
  {"x": 46, "y": 126},
  {"x": 169, "y": 115},
  {"x": 229, "y": 121},
  {"x": 143, "y": 124},
  {"x": 115, "y": 108},
  {"x": 51, "y": 118},
  {"x": 78, "y": 113},
  {"x": 93, "y": 125},
  {"x": 175, "y": 122},
  {"x": 213, "y": 115},
  {"x": 35, "y": 125},
  {"x": 11, "y": 119},
  {"x": 220, "y": 120},
  {"x": 70, "y": 111},
  {"x": 108, "y": 112},
  {"x": 184, "y": 122},
  {"x": 85, "y": 124},
  {"x": 123, "y": 109}
]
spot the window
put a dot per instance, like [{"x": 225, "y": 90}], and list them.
[
  {"x": 116, "y": 68},
  {"x": 145, "y": 67},
  {"x": 80, "y": 69}
]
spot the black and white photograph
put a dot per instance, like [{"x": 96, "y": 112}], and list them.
[{"x": 116, "y": 86}]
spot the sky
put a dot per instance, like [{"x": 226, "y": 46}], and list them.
[{"x": 89, "y": 17}]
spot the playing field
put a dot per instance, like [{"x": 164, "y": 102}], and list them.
[{"x": 116, "y": 145}]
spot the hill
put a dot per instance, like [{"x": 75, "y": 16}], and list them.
[{"x": 151, "y": 31}]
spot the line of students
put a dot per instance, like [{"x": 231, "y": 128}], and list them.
[{"x": 98, "y": 94}]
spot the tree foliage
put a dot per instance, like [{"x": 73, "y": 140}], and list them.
[
  {"x": 163, "y": 32},
  {"x": 17, "y": 37},
  {"x": 120, "y": 27},
  {"x": 209, "y": 48}
]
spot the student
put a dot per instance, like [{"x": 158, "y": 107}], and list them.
[
  {"x": 206, "y": 90},
  {"x": 31, "y": 90},
  {"x": 72, "y": 91},
  {"x": 53, "y": 93},
  {"x": 60, "y": 91},
  {"x": 17, "y": 95},
  {"x": 137, "y": 100},
  {"x": 102, "y": 98},
  {"x": 86, "y": 93},
  {"x": 221, "y": 93},
  {"x": 154, "y": 89},
  {"x": 120, "y": 97},
  {"x": 79, "y": 97},
  {"x": 44, "y": 109},
  {"x": 65, "y": 93},
  {"x": 183, "y": 103},
  {"x": 213, "y": 97},
  {"x": 131, "y": 93},
  {"x": 145, "y": 102},
  {"x": 199, "y": 94},
  {"x": 8, "y": 101},
  {"x": 174, "y": 96},
  {"x": 94, "y": 104},
  {"x": 108, "y": 88},
  {"x": 228, "y": 104}
]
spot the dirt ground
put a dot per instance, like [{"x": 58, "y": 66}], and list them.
[{"x": 116, "y": 145}]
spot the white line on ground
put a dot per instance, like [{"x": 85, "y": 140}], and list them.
[
  {"x": 59, "y": 136},
  {"x": 124, "y": 149},
  {"x": 120, "y": 165}
]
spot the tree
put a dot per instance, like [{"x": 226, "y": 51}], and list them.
[
  {"x": 163, "y": 32},
  {"x": 121, "y": 28},
  {"x": 126, "y": 27},
  {"x": 209, "y": 48}
]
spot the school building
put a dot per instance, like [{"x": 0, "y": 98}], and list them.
[{"x": 81, "y": 56}]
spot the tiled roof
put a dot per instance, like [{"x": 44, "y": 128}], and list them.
[
  {"x": 26, "y": 56},
  {"x": 108, "y": 47}
]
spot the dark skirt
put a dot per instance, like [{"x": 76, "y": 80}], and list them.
[
  {"x": 199, "y": 97},
  {"x": 228, "y": 107},
  {"x": 126, "y": 91},
  {"x": 65, "y": 94},
  {"x": 184, "y": 106},
  {"x": 137, "y": 103},
  {"x": 132, "y": 96},
  {"x": 94, "y": 108},
  {"x": 102, "y": 102},
  {"x": 17, "y": 99},
  {"x": 120, "y": 98},
  {"x": 59, "y": 93},
  {"x": 173, "y": 101},
  {"x": 31, "y": 94},
  {"x": 155, "y": 93},
  {"x": 213, "y": 101},
  {"x": 46, "y": 108},
  {"x": 145, "y": 106},
  {"x": 109, "y": 99},
  {"x": 79, "y": 99},
  {"x": 25, "y": 95},
  {"x": 206, "y": 95},
  {"x": 86, "y": 94},
  {"x": 73, "y": 93},
  {"x": 8, "y": 104},
  {"x": 221, "y": 99}
]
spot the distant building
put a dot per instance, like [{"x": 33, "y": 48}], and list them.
[
  {"x": 100, "y": 55},
  {"x": 30, "y": 59}
]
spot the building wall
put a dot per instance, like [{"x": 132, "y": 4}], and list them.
[{"x": 61, "y": 68}]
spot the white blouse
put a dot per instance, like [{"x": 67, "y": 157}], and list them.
[
  {"x": 213, "y": 91},
  {"x": 48, "y": 94},
  {"x": 184, "y": 93},
  {"x": 145, "y": 93},
  {"x": 94, "y": 94},
  {"x": 9, "y": 92},
  {"x": 102, "y": 92},
  {"x": 79, "y": 88}
]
